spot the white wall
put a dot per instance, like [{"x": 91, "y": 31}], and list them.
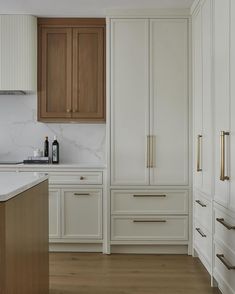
[{"x": 21, "y": 133}]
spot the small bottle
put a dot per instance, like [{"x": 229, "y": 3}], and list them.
[
  {"x": 55, "y": 151},
  {"x": 46, "y": 147}
]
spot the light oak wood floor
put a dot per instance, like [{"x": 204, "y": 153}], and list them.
[{"x": 94, "y": 273}]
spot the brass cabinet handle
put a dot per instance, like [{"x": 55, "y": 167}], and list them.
[
  {"x": 148, "y": 151},
  {"x": 151, "y": 151},
  {"x": 200, "y": 203},
  {"x": 225, "y": 262},
  {"x": 149, "y": 221},
  {"x": 226, "y": 225},
  {"x": 149, "y": 195},
  {"x": 199, "y": 139},
  {"x": 223, "y": 177},
  {"x": 81, "y": 194},
  {"x": 200, "y": 232}
]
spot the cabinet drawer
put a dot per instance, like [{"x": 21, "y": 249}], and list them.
[
  {"x": 202, "y": 210},
  {"x": 224, "y": 228},
  {"x": 149, "y": 228},
  {"x": 146, "y": 202},
  {"x": 82, "y": 213},
  {"x": 81, "y": 178},
  {"x": 224, "y": 267},
  {"x": 203, "y": 242}
]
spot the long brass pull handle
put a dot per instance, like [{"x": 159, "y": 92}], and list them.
[
  {"x": 225, "y": 262},
  {"x": 151, "y": 151},
  {"x": 226, "y": 225},
  {"x": 199, "y": 138},
  {"x": 200, "y": 232},
  {"x": 149, "y": 221},
  {"x": 81, "y": 194},
  {"x": 148, "y": 151},
  {"x": 223, "y": 177},
  {"x": 200, "y": 203},
  {"x": 149, "y": 195}
]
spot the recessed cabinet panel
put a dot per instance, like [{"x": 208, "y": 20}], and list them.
[
  {"x": 56, "y": 72},
  {"x": 88, "y": 71},
  {"x": 169, "y": 101},
  {"x": 222, "y": 93},
  {"x": 82, "y": 214},
  {"x": 129, "y": 102},
  {"x": 54, "y": 213}
]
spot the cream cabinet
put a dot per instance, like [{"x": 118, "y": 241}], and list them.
[
  {"x": 202, "y": 132},
  {"x": 18, "y": 42},
  {"x": 54, "y": 213},
  {"x": 82, "y": 213},
  {"x": 149, "y": 101}
]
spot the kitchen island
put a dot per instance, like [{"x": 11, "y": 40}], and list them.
[{"x": 24, "y": 262}]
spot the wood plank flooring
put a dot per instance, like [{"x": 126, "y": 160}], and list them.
[{"x": 94, "y": 273}]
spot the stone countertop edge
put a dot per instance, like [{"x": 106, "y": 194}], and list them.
[
  {"x": 56, "y": 166},
  {"x": 12, "y": 184}
]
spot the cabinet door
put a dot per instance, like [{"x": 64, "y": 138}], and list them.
[
  {"x": 197, "y": 98},
  {"x": 55, "y": 47},
  {"x": 207, "y": 145},
  {"x": 129, "y": 101},
  {"x": 88, "y": 74},
  {"x": 232, "y": 111},
  {"x": 169, "y": 100},
  {"x": 222, "y": 89},
  {"x": 54, "y": 213},
  {"x": 82, "y": 214}
]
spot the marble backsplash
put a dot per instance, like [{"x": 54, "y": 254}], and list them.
[{"x": 21, "y": 133}]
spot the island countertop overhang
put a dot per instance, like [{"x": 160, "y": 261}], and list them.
[{"x": 14, "y": 183}]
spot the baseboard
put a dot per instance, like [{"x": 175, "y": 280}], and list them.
[
  {"x": 150, "y": 249},
  {"x": 69, "y": 247}
]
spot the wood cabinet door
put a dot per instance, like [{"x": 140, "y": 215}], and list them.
[
  {"x": 221, "y": 92},
  {"x": 55, "y": 72},
  {"x": 129, "y": 101},
  {"x": 169, "y": 108},
  {"x": 88, "y": 74}
]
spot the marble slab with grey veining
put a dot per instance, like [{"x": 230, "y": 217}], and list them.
[
  {"x": 14, "y": 183},
  {"x": 21, "y": 133}
]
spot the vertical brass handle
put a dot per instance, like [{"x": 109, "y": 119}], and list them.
[
  {"x": 223, "y": 177},
  {"x": 148, "y": 151},
  {"x": 151, "y": 151},
  {"x": 199, "y": 139}
]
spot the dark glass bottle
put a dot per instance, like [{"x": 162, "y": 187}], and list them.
[
  {"x": 55, "y": 151},
  {"x": 46, "y": 147}
]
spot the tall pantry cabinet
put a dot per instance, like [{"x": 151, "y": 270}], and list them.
[
  {"x": 214, "y": 140},
  {"x": 149, "y": 130}
]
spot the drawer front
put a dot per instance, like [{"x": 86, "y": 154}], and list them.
[
  {"x": 224, "y": 228},
  {"x": 149, "y": 228},
  {"x": 203, "y": 242},
  {"x": 202, "y": 211},
  {"x": 82, "y": 213},
  {"x": 146, "y": 202},
  {"x": 224, "y": 267},
  {"x": 81, "y": 178}
]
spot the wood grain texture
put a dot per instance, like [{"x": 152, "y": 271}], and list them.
[
  {"x": 71, "y": 70},
  {"x": 24, "y": 240},
  {"x": 92, "y": 273}
]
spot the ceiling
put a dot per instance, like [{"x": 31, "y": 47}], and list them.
[{"x": 82, "y": 7}]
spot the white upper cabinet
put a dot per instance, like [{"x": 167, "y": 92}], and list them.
[
  {"x": 130, "y": 101},
  {"x": 149, "y": 102},
  {"x": 18, "y": 53},
  {"x": 169, "y": 101},
  {"x": 202, "y": 98}
]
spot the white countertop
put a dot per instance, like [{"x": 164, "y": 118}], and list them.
[
  {"x": 56, "y": 166},
  {"x": 13, "y": 183}
]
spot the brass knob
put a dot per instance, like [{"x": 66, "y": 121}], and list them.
[
  {"x": 69, "y": 110},
  {"x": 82, "y": 178}
]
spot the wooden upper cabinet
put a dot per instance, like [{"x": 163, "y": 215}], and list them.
[{"x": 71, "y": 64}]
